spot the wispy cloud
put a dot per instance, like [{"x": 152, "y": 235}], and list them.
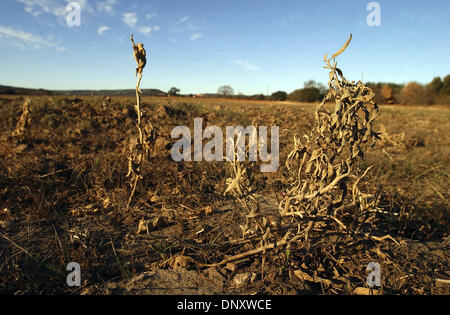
[
  {"x": 103, "y": 29},
  {"x": 247, "y": 65},
  {"x": 196, "y": 36},
  {"x": 106, "y": 6},
  {"x": 130, "y": 19},
  {"x": 39, "y": 7},
  {"x": 53, "y": 7},
  {"x": 189, "y": 26},
  {"x": 25, "y": 39},
  {"x": 145, "y": 30},
  {"x": 148, "y": 29},
  {"x": 183, "y": 19},
  {"x": 32, "y": 11}
]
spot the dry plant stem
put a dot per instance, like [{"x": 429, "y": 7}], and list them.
[
  {"x": 16, "y": 245},
  {"x": 239, "y": 185},
  {"x": 134, "y": 165},
  {"x": 21, "y": 128},
  {"x": 141, "y": 153},
  {"x": 367, "y": 235},
  {"x": 55, "y": 172},
  {"x": 255, "y": 251},
  {"x": 136, "y": 179}
]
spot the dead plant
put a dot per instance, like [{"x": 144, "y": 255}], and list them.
[
  {"x": 241, "y": 186},
  {"x": 139, "y": 147},
  {"x": 324, "y": 169},
  {"x": 324, "y": 166},
  {"x": 20, "y": 131}
]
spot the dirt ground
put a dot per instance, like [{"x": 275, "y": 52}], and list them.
[{"x": 64, "y": 191}]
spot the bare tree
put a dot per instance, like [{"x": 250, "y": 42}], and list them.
[{"x": 225, "y": 90}]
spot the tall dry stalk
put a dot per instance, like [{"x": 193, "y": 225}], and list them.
[
  {"x": 240, "y": 186},
  {"x": 20, "y": 131},
  {"x": 138, "y": 147}
]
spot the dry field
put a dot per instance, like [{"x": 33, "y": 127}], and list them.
[{"x": 64, "y": 191}]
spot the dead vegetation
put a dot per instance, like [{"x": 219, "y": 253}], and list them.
[
  {"x": 19, "y": 133},
  {"x": 310, "y": 228},
  {"x": 324, "y": 169},
  {"x": 140, "y": 145}
]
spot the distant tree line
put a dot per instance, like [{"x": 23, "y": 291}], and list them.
[
  {"x": 435, "y": 92},
  {"x": 10, "y": 90},
  {"x": 412, "y": 93},
  {"x": 311, "y": 92}
]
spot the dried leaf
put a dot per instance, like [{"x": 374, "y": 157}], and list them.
[
  {"x": 340, "y": 51},
  {"x": 143, "y": 227}
]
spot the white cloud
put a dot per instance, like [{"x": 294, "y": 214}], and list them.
[
  {"x": 247, "y": 65},
  {"x": 130, "y": 19},
  {"x": 145, "y": 30},
  {"x": 103, "y": 29},
  {"x": 196, "y": 36},
  {"x": 27, "y": 39},
  {"x": 53, "y": 7},
  {"x": 183, "y": 19},
  {"x": 32, "y": 12},
  {"x": 187, "y": 25},
  {"x": 106, "y": 6},
  {"x": 148, "y": 29},
  {"x": 38, "y": 7}
]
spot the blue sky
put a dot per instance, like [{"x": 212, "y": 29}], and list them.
[{"x": 255, "y": 46}]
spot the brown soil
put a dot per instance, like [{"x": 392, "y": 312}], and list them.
[{"x": 65, "y": 190}]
